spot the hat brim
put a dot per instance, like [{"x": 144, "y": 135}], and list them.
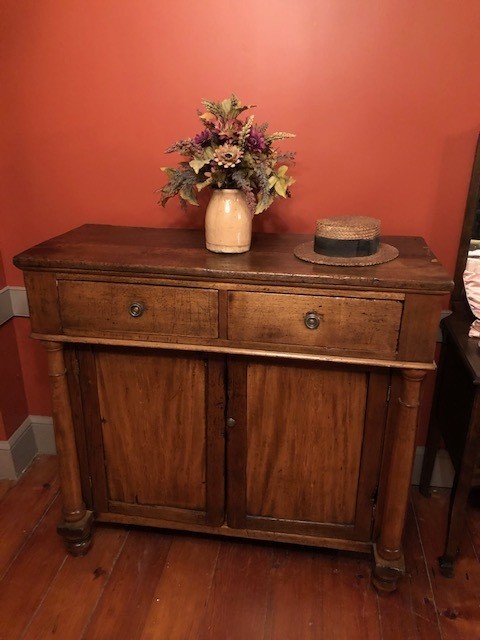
[{"x": 385, "y": 253}]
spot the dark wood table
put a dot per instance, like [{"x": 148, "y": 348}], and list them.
[{"x": 456, "y": 419}]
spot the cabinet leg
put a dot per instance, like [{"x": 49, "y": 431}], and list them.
[
  {"x": 77, "y": 535},
  {"x": 76, "y": 523},
  {"x": 389, "y": 563},
  {"x": 387, "y": 572}
]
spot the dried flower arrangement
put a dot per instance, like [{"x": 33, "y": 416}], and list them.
[{"x": 230, "y": 153}]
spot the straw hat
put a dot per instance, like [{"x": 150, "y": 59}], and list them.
[{"x": 347, "y": 241}]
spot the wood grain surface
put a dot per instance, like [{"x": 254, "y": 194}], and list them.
[
  {"x": 347, "y": 323},
  {"x": 94, "y": 307},
  {"x": 180, "y": 252},
  {"x": 148, "y": 585},
  {"x": 304, "y": 449},
  {"x": 144, "y": 433},
  {"x": 154, "y": 428}
]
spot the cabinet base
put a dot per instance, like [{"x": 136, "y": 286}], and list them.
[
  {"x": 77, "y": 535},
  {"x": 324, "y": 542},
  {"x": 78, "y": 539},
  {"x": 386, "y": 572}
]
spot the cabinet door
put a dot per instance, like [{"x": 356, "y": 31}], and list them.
[
  {"x": 304, "y": 446},
  {"x": 155, "y": 432}
]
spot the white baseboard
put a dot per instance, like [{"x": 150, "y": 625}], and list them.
[
  {"x": 44, "y": 435},
  {"x": 13, "y": 303},
  {"x": 18, "y": 296},
  {"x": 6, "y": 311},
  {"x": 33, "y": 437},
  {"x": 443, "y": 471}
]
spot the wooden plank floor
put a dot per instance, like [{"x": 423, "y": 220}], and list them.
[{"x": 146, "y": 584}]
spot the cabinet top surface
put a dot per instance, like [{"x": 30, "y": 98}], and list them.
[{"x": 182, "y": 253}]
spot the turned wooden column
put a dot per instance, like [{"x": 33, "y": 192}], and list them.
[
  {"x": 76, "y": 524},
  {"x": 389, "y": 561}
]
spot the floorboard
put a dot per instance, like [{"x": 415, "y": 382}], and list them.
[
  {"x": 122, "y": 610},
  {"x": 55, "y": 617},
  {"x": 5, "y": 486},
  {"x": 184, "y": 586},
  {"x": 29, "y": 577},
  {"x": 411, "y": 614},
  {"x": 24, "y": 505},
  {"x": 240, "y": 584},
  {"x": 457, "y": 599},
  {"x": 141, "y": 584}
]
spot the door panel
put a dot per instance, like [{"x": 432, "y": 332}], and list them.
[
  {"x": 299, "y": 449},
  {"x": 153, "y": 428},
  {"x": 305, "y": 465},
  {"x": 159, "y": 413}
]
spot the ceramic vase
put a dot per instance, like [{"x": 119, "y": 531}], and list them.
[{"x": 228, "y": 222}]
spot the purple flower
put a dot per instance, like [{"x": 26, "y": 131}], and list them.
[
  {"x": 256, "y": 140},
  {"x": 202, "y": 137}
]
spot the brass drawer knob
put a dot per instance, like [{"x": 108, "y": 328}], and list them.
[
  {"x": 136, "y": 309},
  {"x": 312, "y": 320}
]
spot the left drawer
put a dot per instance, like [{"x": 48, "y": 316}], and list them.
[{"x": 88, "y": 307}]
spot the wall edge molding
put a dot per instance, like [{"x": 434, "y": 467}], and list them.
[
  {"x": 6, "y": 311},
  {"x": 443, "y": 471},
  {"x": 18, "y": 297},
  {"x": 13, "y": 304},
  {"x": 33, "y": 437}
]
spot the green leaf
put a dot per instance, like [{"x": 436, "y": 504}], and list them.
[
  {"x": 263, "y": 204},
  {"x": 188, "y": 194},
  {"x": 226, "y": 106},
  {"x": 198, "y": 163},
  {"x": 281, "y": 188},
  {"x": 271, "y": 181}
]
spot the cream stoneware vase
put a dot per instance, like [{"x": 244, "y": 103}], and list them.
[{"x": 228, "y": 222}]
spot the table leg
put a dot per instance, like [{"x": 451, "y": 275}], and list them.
[{"x": 460, "y": 491}]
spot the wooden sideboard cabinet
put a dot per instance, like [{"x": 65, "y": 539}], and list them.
[{"x": 244, "y": 395}]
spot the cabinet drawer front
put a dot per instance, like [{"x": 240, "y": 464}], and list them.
[
  {"x": 344, "y": 323},
  {"x": 91, "y": 307}
]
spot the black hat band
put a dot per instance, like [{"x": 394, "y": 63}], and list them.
[{"x": 345, "y": 248}]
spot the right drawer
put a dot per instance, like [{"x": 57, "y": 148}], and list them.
[{"x": 353, "y": 324}]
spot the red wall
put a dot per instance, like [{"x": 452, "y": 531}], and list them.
[
  {"x": 13, "y": 402},
  {"x": 3, "y": 435},
  {"x": 384, "y": 99}
]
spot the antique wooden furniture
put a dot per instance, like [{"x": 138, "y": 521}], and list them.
[
  {"x": 455, "y": 413},
  {"x": 251, "y": 395}
]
